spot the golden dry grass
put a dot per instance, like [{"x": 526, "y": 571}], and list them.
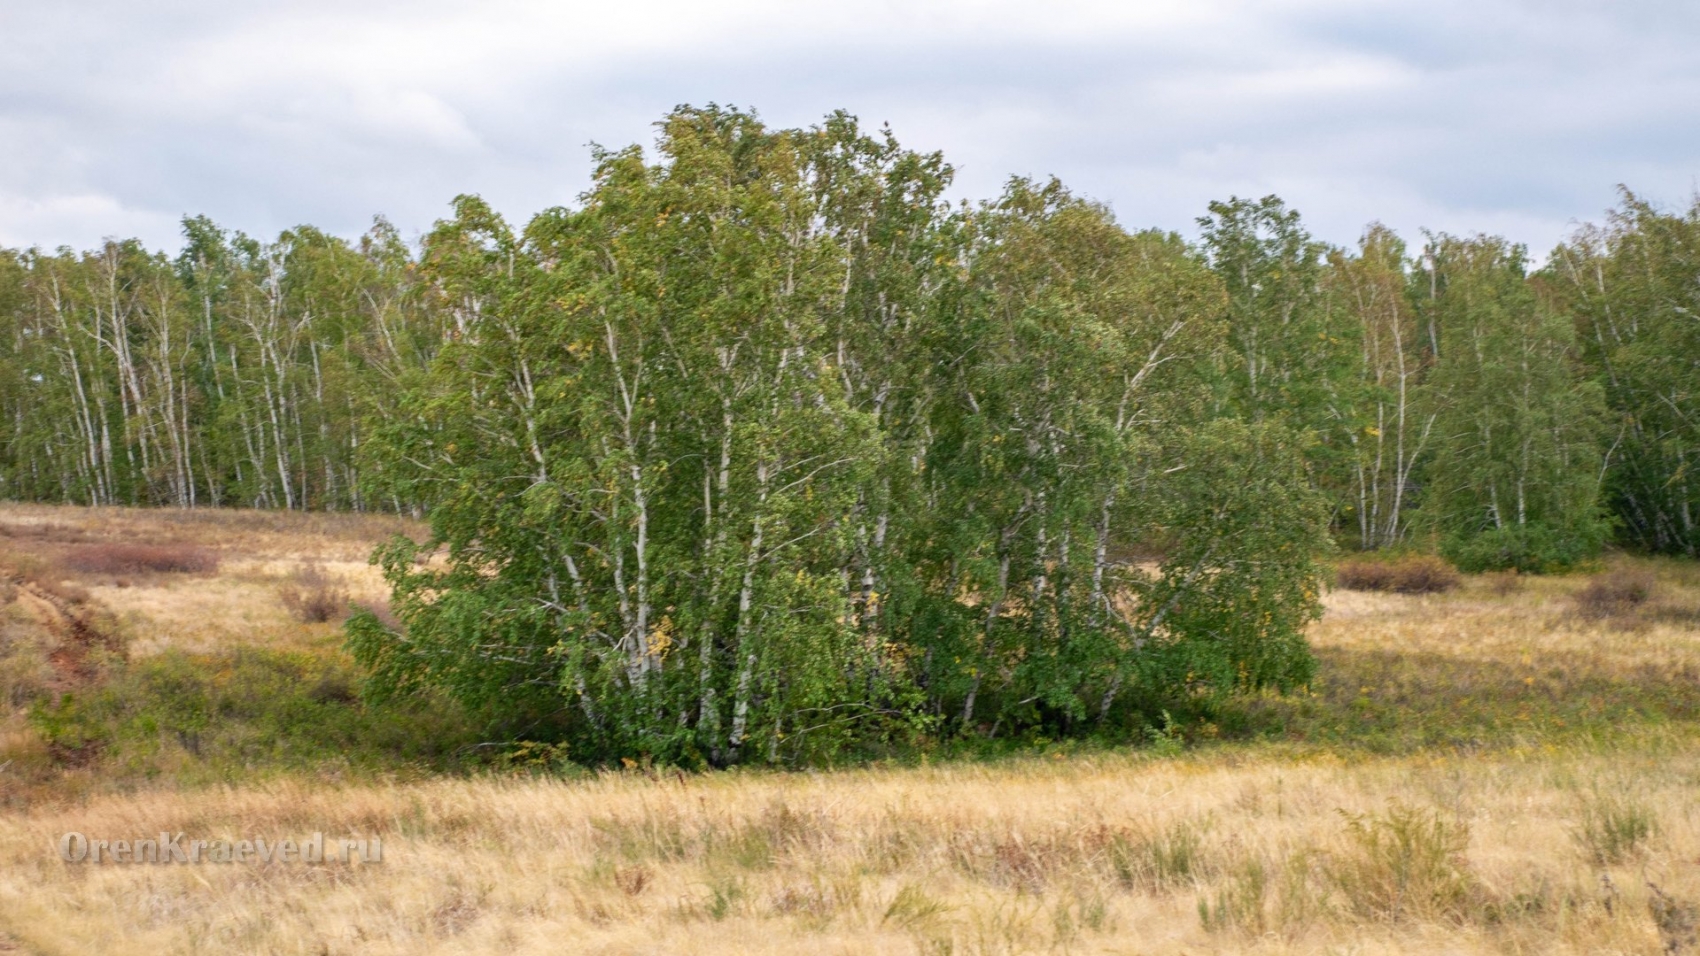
[
  {"x": 1483, "y": 771},
  {"x": 259, "y": 553},
  {"x": 1030, "y": 856}
]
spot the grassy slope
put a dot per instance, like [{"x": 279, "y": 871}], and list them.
[{"x": 1459, "y": 779}]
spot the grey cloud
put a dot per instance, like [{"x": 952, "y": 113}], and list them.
[{"x": 1494, "y": 115}]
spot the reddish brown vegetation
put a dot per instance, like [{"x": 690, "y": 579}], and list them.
[
  {"x": 314, "y": 597},
  {"x": 1419, "y": 574},
  {"x": 116, "y": 558},
  {"x": 1618, "y": 592},
  {"x": 75, "y": 637},
  {"x": 1504, "y": 583}
]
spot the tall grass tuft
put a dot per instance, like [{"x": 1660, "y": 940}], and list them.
[
  {"x": 1613, "y": 827},
  {"x": 1238, "y": 903},
  {"x": 1404, "y": 864},
  {"x": 1158, "y": 859}
]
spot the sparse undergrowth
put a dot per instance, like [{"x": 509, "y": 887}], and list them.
[{"x": 201, "y": 718}]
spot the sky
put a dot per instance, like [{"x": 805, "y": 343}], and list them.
[{"x": 1515, "y": 118}]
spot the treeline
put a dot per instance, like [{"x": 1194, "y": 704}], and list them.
[
  {"x": 764, "y": 448},
  {"x": 241, "y": 373},
  {"x": 1561, "y": 406}
]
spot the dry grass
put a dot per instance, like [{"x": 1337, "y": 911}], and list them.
[
  {"x": 1475, "y": 668},
  {"x": 258, "y": 553},
  {"x": 313, "y": 597},
  {"x": 1481, "y": 770},
  {"x": 1503, "y": 583},
  {"x": 275, "y": 534},
  {"x": 1071, "y": 854}
]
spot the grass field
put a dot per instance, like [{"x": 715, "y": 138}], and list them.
[{"x": 1507, "y": 767}]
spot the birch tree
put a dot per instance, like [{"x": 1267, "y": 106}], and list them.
[
  {"x": 1385, "y": 425},
  {"x": 1633, "y": 288},
  {"x": 1515, "y": 479}
]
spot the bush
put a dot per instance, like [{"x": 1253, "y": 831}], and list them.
[
  {"x": 1616, "y": 593},
  {"x": 114, "y": 558},
  {"x": 1419, "y": 574},
  {"x": 1531, "y": 549},
  {"x": 314, "y": 597}
]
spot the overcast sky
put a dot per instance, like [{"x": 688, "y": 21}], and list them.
[{"x": 117, "y": 118}]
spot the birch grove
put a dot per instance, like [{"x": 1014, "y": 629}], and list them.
[
  {"x": 765, "y": 451},
  {"x": 765, "y": 448}
]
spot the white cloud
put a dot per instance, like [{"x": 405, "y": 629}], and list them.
[
  {"x": 1500, "y": 115},
  {"x": 24, "y": 220}
]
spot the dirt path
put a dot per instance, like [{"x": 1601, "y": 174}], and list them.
[{"x": 77, "y": 640}]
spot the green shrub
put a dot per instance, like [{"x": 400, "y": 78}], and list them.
[{"x": 1530, "y": 549}]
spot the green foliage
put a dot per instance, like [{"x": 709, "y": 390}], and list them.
[
  {"x": 1449, "y": 395},
  {"x": 1529, "y": 549},
  {"x": 218, "y": 716},
  {"x": 1227, "y": 610},
  {"x": 766, "y": 453},
  {"x": 1289, "y": 352},
  {"x": 1515, "y": 477},
  {"x": 1630, "y": 287},
  {"x": 1380, "y": 425},
  {"x": 239, "y": 374},
  {"x": 1166, "y": 741}
]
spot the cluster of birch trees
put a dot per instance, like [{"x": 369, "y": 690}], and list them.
[
  {"x": 765, "y": 449},
  {"x": 1446, "y": 393},
  {"x": 241, "y": 373},
  {"x": 1632, "y": 288}
]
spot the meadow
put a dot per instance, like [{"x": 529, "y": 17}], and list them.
[{"x": 1505, "y": 767}]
